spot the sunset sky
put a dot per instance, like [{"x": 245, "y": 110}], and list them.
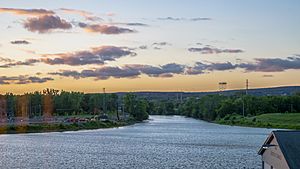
[{"x": 142, "y": 45}]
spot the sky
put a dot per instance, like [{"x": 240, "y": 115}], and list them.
[{"x": 142, "y": 45}]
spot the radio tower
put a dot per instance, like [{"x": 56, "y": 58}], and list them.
[{"x": 222, "y": 86}]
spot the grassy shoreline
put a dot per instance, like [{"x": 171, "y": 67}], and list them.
[
  {"x": 61, "y": 127},
  {"x": 274, "y": 120}
]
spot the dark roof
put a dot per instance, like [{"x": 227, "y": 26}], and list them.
[{"x": 289, "y": 144}]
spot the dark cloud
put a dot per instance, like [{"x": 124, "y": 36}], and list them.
[
  {"x": 23, "y": 79},
  {"x": 33, "y": 12},
  {"x": 143, "y": 47},
  {"x": 200, "y": 68},
  {"x": 161, "y": 44},
  {"x": 136, "y": 24},
  {"x": 212, "y": 50},
  {"x": 220, "y": 66},
  {"x": 100, "y": 73},
  {"x": 94, "y": 56},
  {"x": 45, "y": 24},
  {"x": 127, "y": 71},
  {"x": 12, "y": 63},
  {"x": 2, "y": 59},
  {"x": 169, "y": 70},
  {"x": 261, "y": 65},
  {"x": 158, "y": 71},
  {"x": 19, "y": 42},
  {"x": 272, "y": 64},
  {"x": 104, "y": 29},
  {"x": 184, "y": 19}
]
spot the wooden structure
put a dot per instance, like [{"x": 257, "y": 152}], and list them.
[{"x": 281, "y": 150}]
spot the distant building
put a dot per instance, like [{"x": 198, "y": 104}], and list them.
[{"x": 281, "y": 150}]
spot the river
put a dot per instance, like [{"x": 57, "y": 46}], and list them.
[{"x": 161, "y": 142}]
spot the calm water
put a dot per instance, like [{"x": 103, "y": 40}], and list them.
[{"x": 163, "y": 142}]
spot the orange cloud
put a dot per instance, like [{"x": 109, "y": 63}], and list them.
[
  {"x": 87, "y": 15},
  {"x": 34, "y": 12}
]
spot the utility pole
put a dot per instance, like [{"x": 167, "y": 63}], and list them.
[
  {"x": 181, "y": 97},
  {"x": 243, "y": 107},
  {"x": 243, "y": 99},
  {"x": 247, "y": 86},
  {"x": 104, "y": 100}
]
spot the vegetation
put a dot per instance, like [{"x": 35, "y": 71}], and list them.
[
  {"x": 31, "y": 112},
  {"x": 223, "y": 109},
  {"x": 273, "y": 120},
  {"x": 59, "y": 127},
  {"x": 52, "y": 102},
  {"x": 238, "y": 109}
]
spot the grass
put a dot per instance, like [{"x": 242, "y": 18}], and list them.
[{"x": 273, "y": 120}]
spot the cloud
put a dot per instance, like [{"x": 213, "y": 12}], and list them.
[
  {"x": 23, "y": 79},
  {"x": 158, "y": 71},
  {"x": 260, "y": 65},
  {"x": 161, "y": 44},
  {"x": 200, "y": 19},
  {"x": 132, "y": 24},
  {"x": 104, "y": 29},
  {"x": 12, "y": 63},
  {"x": 100, "y": 73},
  {"x": 2, "y": 59},
  {"x": 19, "y": 42},
  {"x": 171, "y": 69},
  {"x": 33, "y": 12},
  {"x": 87, "y": 15},
  {"x": 220, "y": 66},
  {"x": 45, "y": 24},
  {"x": 171, "y": 19},
  {"x": 272, "y": 64},
  {"x": 126, "y": 71},
  {"x": 212, "y": 50},
  {"x": 200, "y": 68},
  {"x": 143, "y": 47},
  {"x": 96, "y": 55},
  {"x": 268, "y": 76},
  {"x": 185, "y": 19}
]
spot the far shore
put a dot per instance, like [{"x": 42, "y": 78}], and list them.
[{"x": 61, "y": 127}]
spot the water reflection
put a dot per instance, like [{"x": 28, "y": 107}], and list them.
[{"x": 163, "y": 142}]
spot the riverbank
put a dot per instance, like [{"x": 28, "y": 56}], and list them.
[
  {"x": 274, "y": 120},
  {"x": 61, "y": 127}
]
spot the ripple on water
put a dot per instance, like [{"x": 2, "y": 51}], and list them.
[{"x": 162, "y": 142}]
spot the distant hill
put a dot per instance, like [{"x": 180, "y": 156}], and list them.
[{"x": 274, "y": 91}]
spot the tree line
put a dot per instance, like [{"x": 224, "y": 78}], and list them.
[
  {"x": 212, "y": 107},
  {"x": 50, "y": 102}
]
